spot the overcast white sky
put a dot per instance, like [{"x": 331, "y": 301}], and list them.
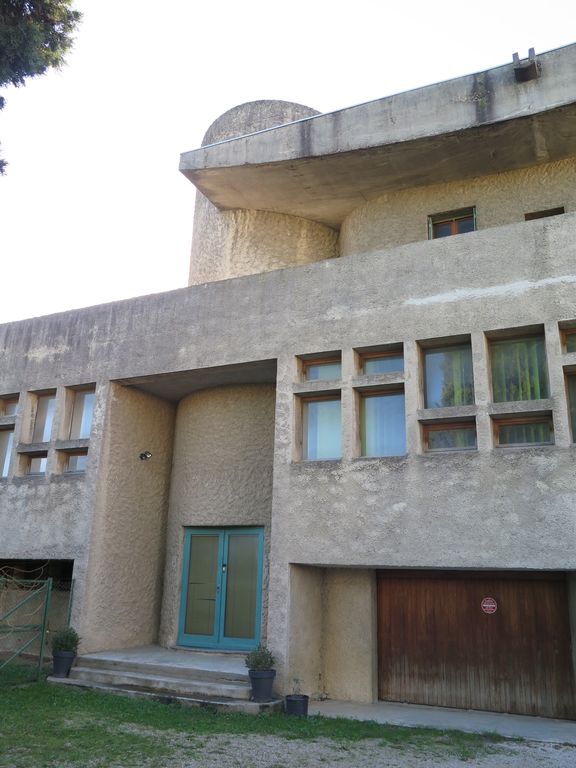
[{"x": 93, "y": 208}]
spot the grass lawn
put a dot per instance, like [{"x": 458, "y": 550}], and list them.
[{"x": 43, "y": 726}]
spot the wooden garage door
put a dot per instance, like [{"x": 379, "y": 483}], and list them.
[{"x": 437, "y": 646}]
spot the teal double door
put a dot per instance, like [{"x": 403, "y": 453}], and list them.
[{"x": 221, "y": 598}]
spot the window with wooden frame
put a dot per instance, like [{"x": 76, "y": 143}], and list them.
[
  {"x": 391, "y": 361},
  {"x": 544, "y": 214},
  {"x": 449, "y": 436},
  {"x": 322, "y": 369},
  {"x": 523, "y": 431},
  {"x": 448, "y": 376},
  {"x": 519, "y": 369},
  {"x": 569, "y": 339},
  {"x": 321, "y": 427},
  {"x": 451, "y": 223},
  {"x": 383, "y": 422}
]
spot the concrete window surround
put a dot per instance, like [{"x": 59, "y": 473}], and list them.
[{"x": 482, "y": 414}]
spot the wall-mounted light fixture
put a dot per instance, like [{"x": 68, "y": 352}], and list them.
[{"x": 145, "y": 455}]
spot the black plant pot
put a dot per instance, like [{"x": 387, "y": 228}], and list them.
[
  {"x": 262, "y": 681},
  {"x": 296, "y": 704},
  {"x": 63, "y": 661}
]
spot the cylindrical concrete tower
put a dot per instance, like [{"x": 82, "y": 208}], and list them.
[{"x": 244, "y": 242}]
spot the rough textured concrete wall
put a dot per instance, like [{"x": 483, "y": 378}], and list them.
[
  {"x": 401, "y": 217},
  {"x": 221, "y": 475},
  {"x": 124, "y": 579},
  {"x": 303, "y": 669},
  {"x": 244, "y": 242},
  {"x": 349, "y": 636}
]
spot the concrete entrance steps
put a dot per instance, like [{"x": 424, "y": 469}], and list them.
[{"x": 190, "y": 677}]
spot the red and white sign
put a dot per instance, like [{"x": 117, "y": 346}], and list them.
[{"x": 489, "y": 605}]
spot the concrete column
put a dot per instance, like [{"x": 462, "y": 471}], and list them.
[
  {"x": 557, "y": 379},
  {"x": 350, "y": 421},
  {"x": 482, "y": 390},
  {"x": 413, "y": 395}
]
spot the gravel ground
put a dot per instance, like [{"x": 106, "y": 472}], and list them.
[{"x": 276, "y": 752}]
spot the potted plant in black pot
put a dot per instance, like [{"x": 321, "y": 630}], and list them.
[
  {"x": 296, "y": 703},
  {"x": 64, "y": 648},
  {"x": 260, "y": 663}
]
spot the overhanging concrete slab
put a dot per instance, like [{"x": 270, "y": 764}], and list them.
[{"x": 324, "y": 166}]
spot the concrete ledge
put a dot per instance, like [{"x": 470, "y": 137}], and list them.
[{"x": 220, "y": 704}]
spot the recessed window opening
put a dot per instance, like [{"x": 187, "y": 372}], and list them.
[
  {"x": 383, "y": 423},
  {"x": 537, "y": 430},
  {"x": 321, "y": 428},
  {"x": 6, "y": 440},
  {"x": 36, "y": 464},
  {"x": 571, "y": 388},
  {"x": 82, "y": 411},
  {"x": 451, "y": 223},
  {"x": 8, "y": 405},
  {"x": 45, "y": 406},
  {"x": 382, "y": 362},
  {"x": 519, "y": 369},
  {"x": 569, "y": 339},
  {"x": 328, "y": 369},
  {"x": 544, "y": 214},
  {"x": 448, "y": 376},
  {"x": 449, "y": 436},
  {"x": 76, "y": 461}
]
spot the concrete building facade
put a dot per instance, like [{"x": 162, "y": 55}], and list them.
[{"x": 352, "y": 436}]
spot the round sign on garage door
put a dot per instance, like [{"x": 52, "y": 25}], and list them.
[{"x": 489, "y": 605}]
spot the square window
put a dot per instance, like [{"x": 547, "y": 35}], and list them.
[
  {"x": 451, "y": 223},
  {"x": 524, "y": 431},
  {"x": 45, "y": 405},
  {"x": 571, "y": 387},
  {"x": 448, "y": 376},
  {"x": 76, "y": 461},
  {"x": 321, "y": 428},
  {"x": 449, "y": 436},
  {"x": 6, "y": 439},
  {"x": 382, "y": 362},
  {"x": 383, "y": 423},
  {"x": 82, "y": 411},
  {"x": 322, "y": 370},
  {"x": 519, "y": 369},
  {"x": 8, "y": 406},
  {"x": 36, "y": 464}
]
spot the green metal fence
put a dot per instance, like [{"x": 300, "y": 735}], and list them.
[{"x": 24, "y": 609}]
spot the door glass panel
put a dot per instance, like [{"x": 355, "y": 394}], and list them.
[
  {"x": 241, "y": 590},
  {"x": 202, "y": 578}
]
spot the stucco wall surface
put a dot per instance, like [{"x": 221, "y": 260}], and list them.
[
  {"x": 125, "y": 569},
  {"x": 221, "y": 475},
  {"x": 235, "y": 243},
  {"x": 401, "y": 216},
  {"x": 349, "y": 635}
]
